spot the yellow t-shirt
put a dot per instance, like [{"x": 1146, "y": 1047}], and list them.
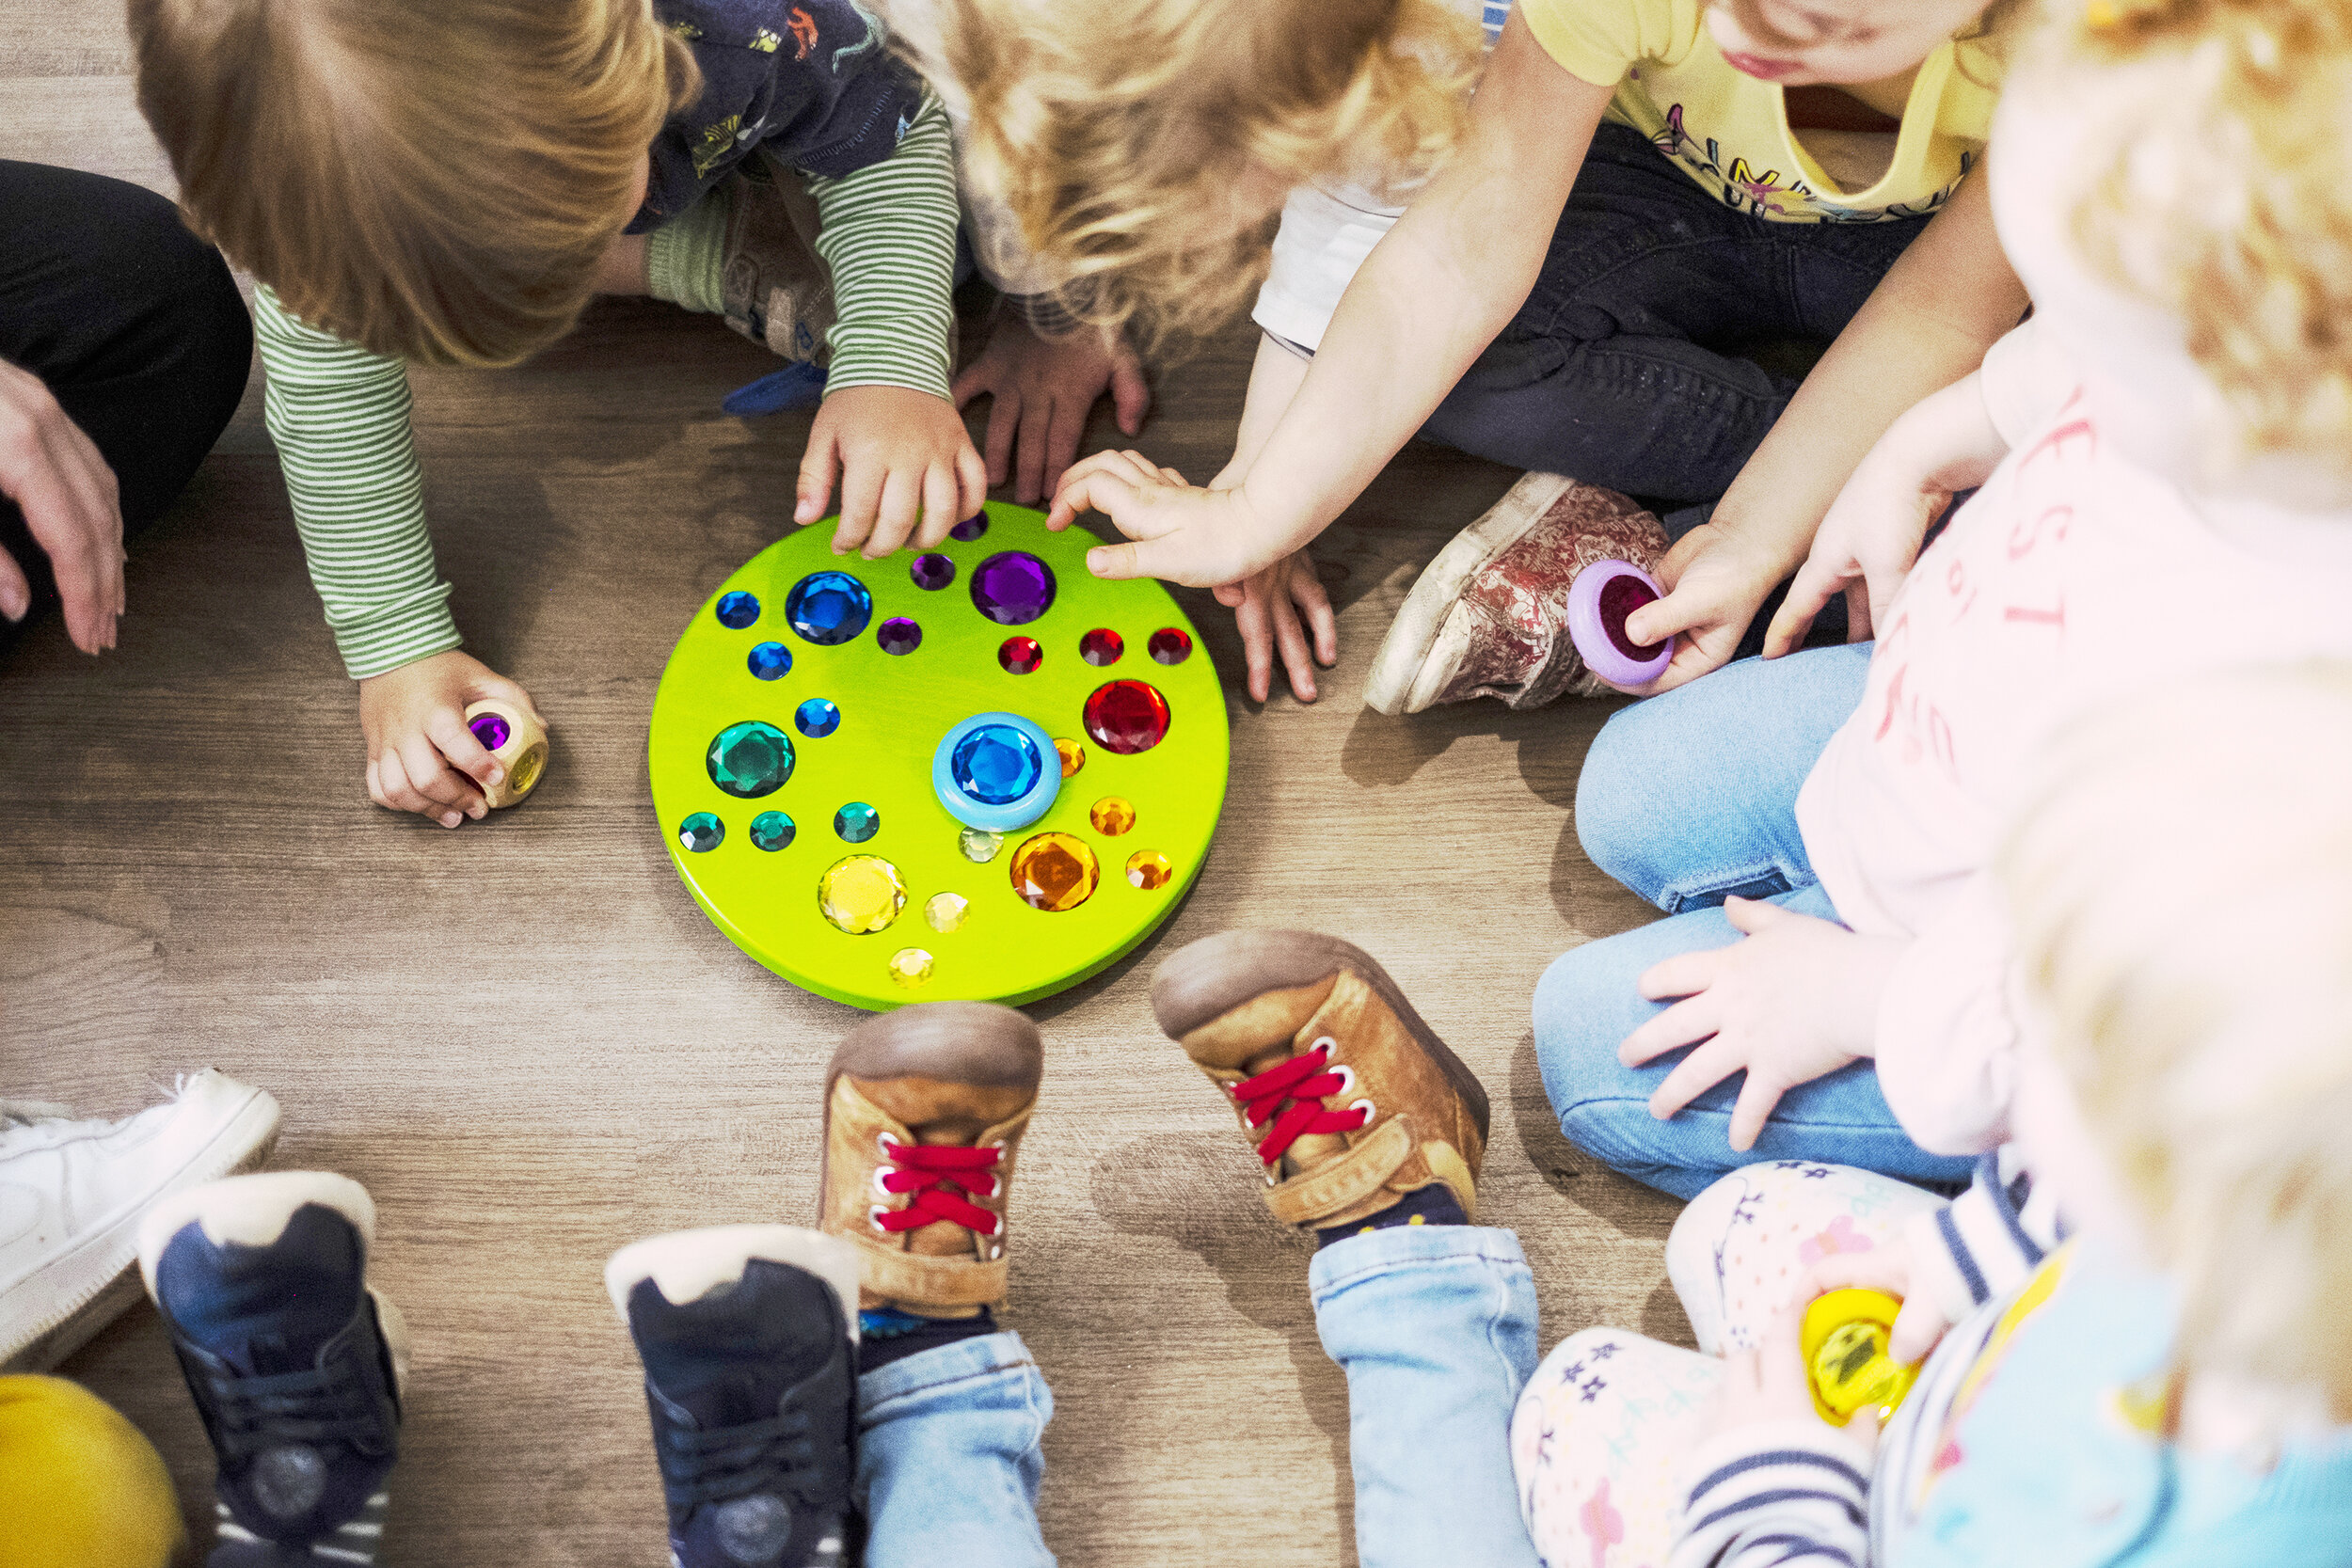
[{"x": 1730, "y": 131}]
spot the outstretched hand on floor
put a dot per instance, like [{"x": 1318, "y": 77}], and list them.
[
  {"x": 60, "y": 481},
  {"x": 1041, "y": 391},
  {"x": 421, "y": 755}
]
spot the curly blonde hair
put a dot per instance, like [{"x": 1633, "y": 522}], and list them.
[
  {"x": 1144, "y": 146},
  {"x": 2219, "y": 197}
]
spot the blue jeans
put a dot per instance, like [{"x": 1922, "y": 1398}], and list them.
[
  {"x": 1434, "y": 1326},
  {"x": 1688, "y": 798},
  {"x": 1625, "y": 366}
]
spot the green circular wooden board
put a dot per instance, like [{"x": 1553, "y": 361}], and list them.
[{"x": 894, "y": 708}]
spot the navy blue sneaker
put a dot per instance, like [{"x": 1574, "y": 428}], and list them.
[
  {"x": 295, "y": 1364},
  {"x": 749, "y": 1335}
]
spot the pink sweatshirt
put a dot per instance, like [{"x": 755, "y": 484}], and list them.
[{"x": 2074, "y": 576}]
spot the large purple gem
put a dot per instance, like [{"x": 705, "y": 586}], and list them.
[{"x": 1012, "y": 588}]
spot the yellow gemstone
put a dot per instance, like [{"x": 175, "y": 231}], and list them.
[
  {"x": 1054, "y": 872},
  {"x": 861, "y": 894},
  {"x": 979, "y": 847},
  {"x": 1074, "y": 757},
  {"x": 1148, "y": 869},
  {"x": 910, "y": 966},
  {"x": 946, "y": 911},
  {"x": 1112, "y": 816}
]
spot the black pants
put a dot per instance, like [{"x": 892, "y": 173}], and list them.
[{"x": 134, "y": 325}]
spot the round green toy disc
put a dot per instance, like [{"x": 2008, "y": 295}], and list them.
[{"x": 792, "y": 774}]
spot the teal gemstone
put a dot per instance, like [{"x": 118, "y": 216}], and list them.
[
  {"x": 771, "y": 829},
  {"x": 856, "y": 822},
  {"x": 750, "y": 759},
  {"x": 701, "y": 831}
]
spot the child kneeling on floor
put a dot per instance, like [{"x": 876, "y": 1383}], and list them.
[{"x": 2169, "y": 1384}]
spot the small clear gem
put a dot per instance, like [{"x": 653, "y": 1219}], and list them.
[
  {"x": 1126, "y": 717},
  {"x": 770, "y": 660},
  {"x": 1054, "y": 872},
  {"x": 933, "y": 573},
  {"x": 1074, "y": 757},
  {"x": 750, "y": 759},
  {"x": 1012, "y": 588},
  {"x": 1020, "y": 655},
  {"x": 772, "y": 829},
  {"x": 899, "y": 634},
  {"x": 857, "y": 822},
  {"x": 1171, "y": 645},
  {"x": 816, "y": 718},
  {"x": 1112, "y": 816},
  {"x": 490, "y": 729},
  {"x": 1102, "y": 647},
  {"x": 971, "y": 527},
  {"x": 946, "y": 911},
  {"x": 979, "y": 845},
  {"x": 701, "y": 831},
  {"x": 861, "y": 894},
  {"x": 910, "y": 966},
  {"x": 995, "y": 765},
  {"x": 737, "y": 609},
  {"x": 829, "y": 608},
  {"x": 1146, "y": 869}
]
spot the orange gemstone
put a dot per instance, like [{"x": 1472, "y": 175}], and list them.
[
  {"x": 1112, "y": 816},
  {"x": 1148, "y": 869},
  {"x": 1054, "y": 872},
  {"x": 1074, "y": 757}
]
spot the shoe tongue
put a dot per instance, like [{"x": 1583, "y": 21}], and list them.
[
  {"x": 265, "y": 1310},
  {"x": 941, "y": 1111},
  {"x": 728, "y": 1356}
]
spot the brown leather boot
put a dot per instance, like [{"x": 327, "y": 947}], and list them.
[
  {"x": 924, "y": 1112},
  {"x": 1352, "y": 1099}
]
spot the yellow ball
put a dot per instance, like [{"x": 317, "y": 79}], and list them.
[{"x": 80, "y": 1486}]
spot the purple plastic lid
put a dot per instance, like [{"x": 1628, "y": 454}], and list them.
[{"x": 1601, "y": 598}]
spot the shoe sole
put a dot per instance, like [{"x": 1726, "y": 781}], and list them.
[
  {"x": 92, "y": 1284},
  {"x": 685, "y": 1265},
  {"x": 1204, "y": 981},
  {"x": 1397, "y": 669}
]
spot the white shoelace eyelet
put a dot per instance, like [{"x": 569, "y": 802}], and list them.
[
  {"x": 1347, "y": 1078},
  {"x": 874, "y": 1217}
]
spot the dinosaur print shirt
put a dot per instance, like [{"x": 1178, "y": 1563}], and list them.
[{"x": 812, "y": 81}]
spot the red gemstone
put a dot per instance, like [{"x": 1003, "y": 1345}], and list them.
[
  {"x": 1126, "y": 717},
  {"x": 1171, "y": 646},
  {"x": 1020, "y": 655},
  {"x": 1102, "y": 647},
  {"x": 1620, "y": 596}
]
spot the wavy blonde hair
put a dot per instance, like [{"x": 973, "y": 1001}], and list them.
[
  {"x": 2181, "y": 882},
  {"x": 431, "y": 178},
  {"x": 2220, "y": 196},
  {"x": 1144, "y": 145}
]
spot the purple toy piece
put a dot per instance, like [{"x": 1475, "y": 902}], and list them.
[
  {"x": 1601, "y": 598},
  {"x": 490, "y": 730}
]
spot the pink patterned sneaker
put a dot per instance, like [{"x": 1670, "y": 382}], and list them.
[{"x": 1488, "y": 617}]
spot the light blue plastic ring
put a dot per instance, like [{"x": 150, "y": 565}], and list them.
[{"x": 986, "y": 815}]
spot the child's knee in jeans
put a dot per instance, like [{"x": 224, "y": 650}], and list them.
[
  {"x": 1617, "y": 800},
  {"x": 1579, "y": 1012}
]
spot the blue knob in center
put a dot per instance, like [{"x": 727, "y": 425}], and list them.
[{"x": 996, "y": 772}]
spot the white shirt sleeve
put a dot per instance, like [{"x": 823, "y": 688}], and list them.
[{"x": 1324, "y": 236}]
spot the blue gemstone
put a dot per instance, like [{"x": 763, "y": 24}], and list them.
[
  {"x": 857, "y": 822},
  {"x": 771, "y": 829},
  {"x": 750, "y": 759},
  {"x": 816, "y": 718},
  {"x": 771, "y": 661},
  {"x": 737, "y": 609},
  {"x": 829, "y": 608},
  {"x": 996, "y": 765},
  {"x": 701, "y": 831}
]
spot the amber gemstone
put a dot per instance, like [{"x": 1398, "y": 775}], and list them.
[
  {"x": 1054, "y": 872},
  {"x": 1112, "y": 816},
  {"x": 1148, "y": 869},
  {"x": 1074, "y": 757}
]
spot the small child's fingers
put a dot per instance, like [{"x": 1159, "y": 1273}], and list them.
[
  {"x": 447, "y": 729},
  {"x": 1230, "y": 594},
  {"x": 861, "y": 499},
  {"x": 1289, "y": 639},
  {"x": 1003, "y": 421},
  {"x": 941, "y": 505},
  {"x": 1707, "y": 1066},
  {"x": 971, "y": 485},
  {"x": 1314, "y": 602},
  {"x": 1257, "y": 643},
  {"x": 1919, "y": 1328},
  {"x": 1752, "y": 1109},
  {"x": 400, "y": 795},
  {"x": 433, "y": 779},
  {"x": 814, "y": 490},
  {"x": 1684, "y": 1023},
  {"x": 1028, "y": 460},
  {"x": 895, "y": 518},
  {"x": 376, "y": 786}
]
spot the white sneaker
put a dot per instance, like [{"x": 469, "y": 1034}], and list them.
[{"x": 72, "y": 1194}]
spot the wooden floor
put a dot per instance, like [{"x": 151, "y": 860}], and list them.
[{"x": 533, "y": 1047}]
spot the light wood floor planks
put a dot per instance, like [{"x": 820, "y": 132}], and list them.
[{"x": 531, "y": 1046}]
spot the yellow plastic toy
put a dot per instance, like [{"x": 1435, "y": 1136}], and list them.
[
  {"x": 1844, "y": 1341},
  {"x": 79, "y": 1484},
  {"x": 517, "y": 740}
]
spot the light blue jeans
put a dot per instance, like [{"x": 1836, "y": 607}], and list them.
[
  {"x": 1434, "y": 1326},
  {"x": 1688, "y": 798}
]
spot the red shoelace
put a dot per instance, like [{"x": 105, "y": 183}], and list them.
[
  {"x": 1290, "y": 1096},
  {"x": 940, "y": 1176}
]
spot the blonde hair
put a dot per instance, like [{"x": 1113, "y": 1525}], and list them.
[
  {"x": 1145, "y": 145},
  {"x": 2219, "y": 198},
  {"x": 431, "y": 178},
  {"x": 2182, "y": 887}
]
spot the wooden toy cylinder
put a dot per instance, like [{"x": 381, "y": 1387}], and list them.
[{"x": 523, "y": 753}]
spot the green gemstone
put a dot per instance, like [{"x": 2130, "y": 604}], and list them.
[{"x": 750, "y": 759}]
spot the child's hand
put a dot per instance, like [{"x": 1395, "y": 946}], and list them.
[
  {"x": 901, "y": 454},
  {"x": 1283, "y": 607},
  {"x": 62, "y": 483},
  {"x": 1043, "y": 388},
  {"x": 1795, "y": 998},
  {"x": 421, "y": 755},
  {"x": 1766, "y": 1387},
  {"x": 1715, "y": 584},
  {"x": 1181, "y": 533},
  {"x": 1919, "y": 1328},
  {"x": 1864, "y": 550}
]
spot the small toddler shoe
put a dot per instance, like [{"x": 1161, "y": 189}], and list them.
[
  {"x": 1488, "y": 618},
  {"x": 774, "y": 286},
  {"x": 295, "y": 1364},
  {"x": 749, "y": 1337}
]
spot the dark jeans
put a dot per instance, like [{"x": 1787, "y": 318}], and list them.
[
  {"x": 1625, "y": 367},
  {"x": 134, "y": 325}
]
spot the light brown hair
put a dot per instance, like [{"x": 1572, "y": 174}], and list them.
[{"x": 431, "y": 178}]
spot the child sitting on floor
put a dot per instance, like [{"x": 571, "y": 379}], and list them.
[
  {"x": 2172, "y": 1386},
  {"x": 448, "y": 181},
  {"x": 2166, "y": 486}
]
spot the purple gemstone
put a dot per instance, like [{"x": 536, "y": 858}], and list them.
[
  {"x": 971, "y": 527},
  {"x": 490, "y": 729},
  {"x": 899, "y": 634},
  {"x": 1012, "y": 588},
  {"x": 932, "y": 572}
]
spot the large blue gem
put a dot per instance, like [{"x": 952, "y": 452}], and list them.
[
  {"x": 750, "y": 759},
  {"x": 829, "y": 608},
  {"x": 995, "y": 765},
  {"x": 737, "y": 609}
]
